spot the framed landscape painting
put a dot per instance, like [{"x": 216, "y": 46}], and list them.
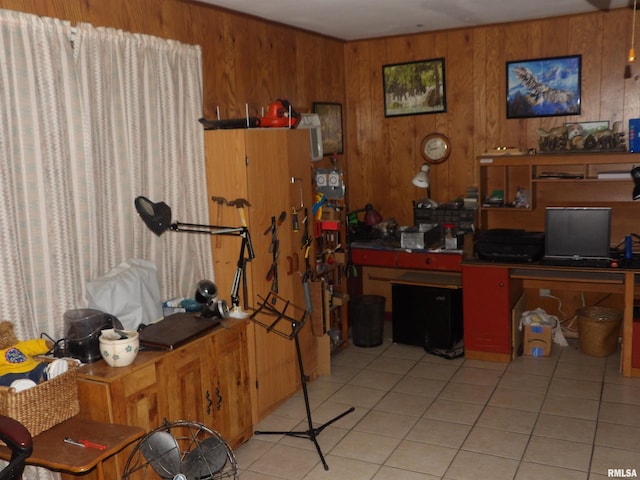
[
  {"x": 544, "y": 87},
  {"x": 414, "y": 88}
]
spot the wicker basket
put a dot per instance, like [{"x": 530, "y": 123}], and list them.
[
  {"x": 45, "y": 405},
  {"x": 599, "y": 330}
]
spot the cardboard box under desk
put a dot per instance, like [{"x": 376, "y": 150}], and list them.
[{"x": 537, "y": 340}]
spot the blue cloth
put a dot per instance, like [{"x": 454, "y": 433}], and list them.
[{"x": 37, "y": 375}]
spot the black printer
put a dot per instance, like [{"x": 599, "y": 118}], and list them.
[{"x": 510, "y": 245}]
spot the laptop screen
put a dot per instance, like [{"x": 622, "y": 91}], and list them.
[{"x": 581, "y": 232}]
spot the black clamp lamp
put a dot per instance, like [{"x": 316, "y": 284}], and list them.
[
  {"x": 207, "y": 295},
  {"x": 157, "y": 217},
  {"x": 635, "y": 175}
]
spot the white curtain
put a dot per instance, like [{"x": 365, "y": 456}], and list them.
[{"x": 90, "y": 118}]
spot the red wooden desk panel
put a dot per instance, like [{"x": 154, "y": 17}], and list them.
[
  {"x": 372, "y": 257},
  {"x": 451, "y": 262},
  {"x": 486, "y": 306}
]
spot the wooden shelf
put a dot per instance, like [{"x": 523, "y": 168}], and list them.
[{"x": 535, "y": 174}]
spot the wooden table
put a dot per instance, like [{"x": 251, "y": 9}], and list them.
[{"x": 53, "y": 453}]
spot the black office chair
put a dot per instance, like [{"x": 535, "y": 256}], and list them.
[{"x": 19, "y": 441}]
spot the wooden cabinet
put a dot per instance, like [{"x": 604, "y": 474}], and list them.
[
  {"x": 205, "y": 381},
  {"x": 488, "y": 296},
  {"x": 269, "y": 168}
]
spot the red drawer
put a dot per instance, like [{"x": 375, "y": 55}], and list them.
[
  {"x": 430, "y": 261},
  {"x": 451, "y": 262},
  {"x": 375, "y": 258}
]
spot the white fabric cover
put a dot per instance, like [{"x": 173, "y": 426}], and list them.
[{"x": 130, "y": 291}]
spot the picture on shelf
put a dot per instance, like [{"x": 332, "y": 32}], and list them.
[{"x": 582, "y": 136}]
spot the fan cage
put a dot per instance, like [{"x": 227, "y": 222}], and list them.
[{"x": 189, "y": 435}]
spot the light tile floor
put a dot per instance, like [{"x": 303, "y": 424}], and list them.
[{"x": 420, "y": 417}]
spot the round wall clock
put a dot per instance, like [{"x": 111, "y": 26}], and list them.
[{"x": 435, "y": 148}]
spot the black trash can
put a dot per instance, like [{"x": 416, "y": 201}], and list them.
[{"x": 366, "y": 315}]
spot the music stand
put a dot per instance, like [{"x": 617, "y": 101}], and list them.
[{"x": 278, "y": 309}]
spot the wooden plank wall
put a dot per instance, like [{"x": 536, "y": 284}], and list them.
[
  {"x": 245, "y": 60},
  {"x": 383, "y": 153},
  {"x": 249, "y": 61}
]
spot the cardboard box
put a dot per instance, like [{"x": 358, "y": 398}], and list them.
[
  {"x": 412, "y": 240},
  {"x": 329, "y": 213},
  {"x": 537, "y": 340}
]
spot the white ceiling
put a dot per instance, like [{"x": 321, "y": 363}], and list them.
[{"x": 358, "y": 19}]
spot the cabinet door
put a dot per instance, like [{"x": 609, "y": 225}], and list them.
[
  {"x": 185, "y": 382},
  {"x": 259, "y": 165},
  {"x": 271, "y": 156},
  {"x": 486, "y": 307},
  {"x": 136, "y": 398},
  {"x": 231, "y": 408},
  {"x": 226, "y": 181}
]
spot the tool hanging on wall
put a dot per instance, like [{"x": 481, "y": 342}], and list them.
[
  {"x": 274, "y": 248},
  {"x": 294, "y": 210},
  {"x": 306, "y": 245},
  {"x": 316, "y": 209},
  {"x": 220, "y": 201},
  {"x": 293, "y": 263},
  {"x": 307, "y": 275},
  {"x": 240, "y": 203}
]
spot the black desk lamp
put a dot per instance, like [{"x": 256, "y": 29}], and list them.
[
  {"x": 157, "y": 216},
  {"x": 635, "y": 174}
]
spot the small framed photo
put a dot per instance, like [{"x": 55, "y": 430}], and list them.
[
  {"x": 544, "y": 87},
  {"x": 330, "y": 115},
  {"x": 414, "y": 88},
  {"x": 584, "y": 129}
]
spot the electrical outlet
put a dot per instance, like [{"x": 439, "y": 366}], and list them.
[{"x": 545, "y": 292}]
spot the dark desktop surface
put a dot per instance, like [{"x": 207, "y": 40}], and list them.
[
  {"x": 631, "y": 264},
  {"x": 617, "y": 262}
]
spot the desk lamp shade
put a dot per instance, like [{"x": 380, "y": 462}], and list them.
[
  {"x": 156, "y": 216},
  {"x": 372, "y": 216},
  {"x": 635, "y": 174},
  {"x": 206, "y": 292},
  {"x": 421, "y": 180}
]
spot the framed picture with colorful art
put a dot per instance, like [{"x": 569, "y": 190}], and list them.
[
  {"x": 414, "y": 88},
  {"x": 544, "y": 87}
]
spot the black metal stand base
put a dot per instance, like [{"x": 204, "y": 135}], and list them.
[{"x": 313, "y": 432}]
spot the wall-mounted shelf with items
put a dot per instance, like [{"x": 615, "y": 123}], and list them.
[
  {"x": 331, "y": 256},
  {"x": 560, "y": 180}
]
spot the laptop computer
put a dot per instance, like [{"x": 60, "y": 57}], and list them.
[
  {"x": 577, "y": 236},
  {"x": 175, "y": 330}
]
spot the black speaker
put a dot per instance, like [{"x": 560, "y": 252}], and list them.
[{"x": 427, "y": 315}]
